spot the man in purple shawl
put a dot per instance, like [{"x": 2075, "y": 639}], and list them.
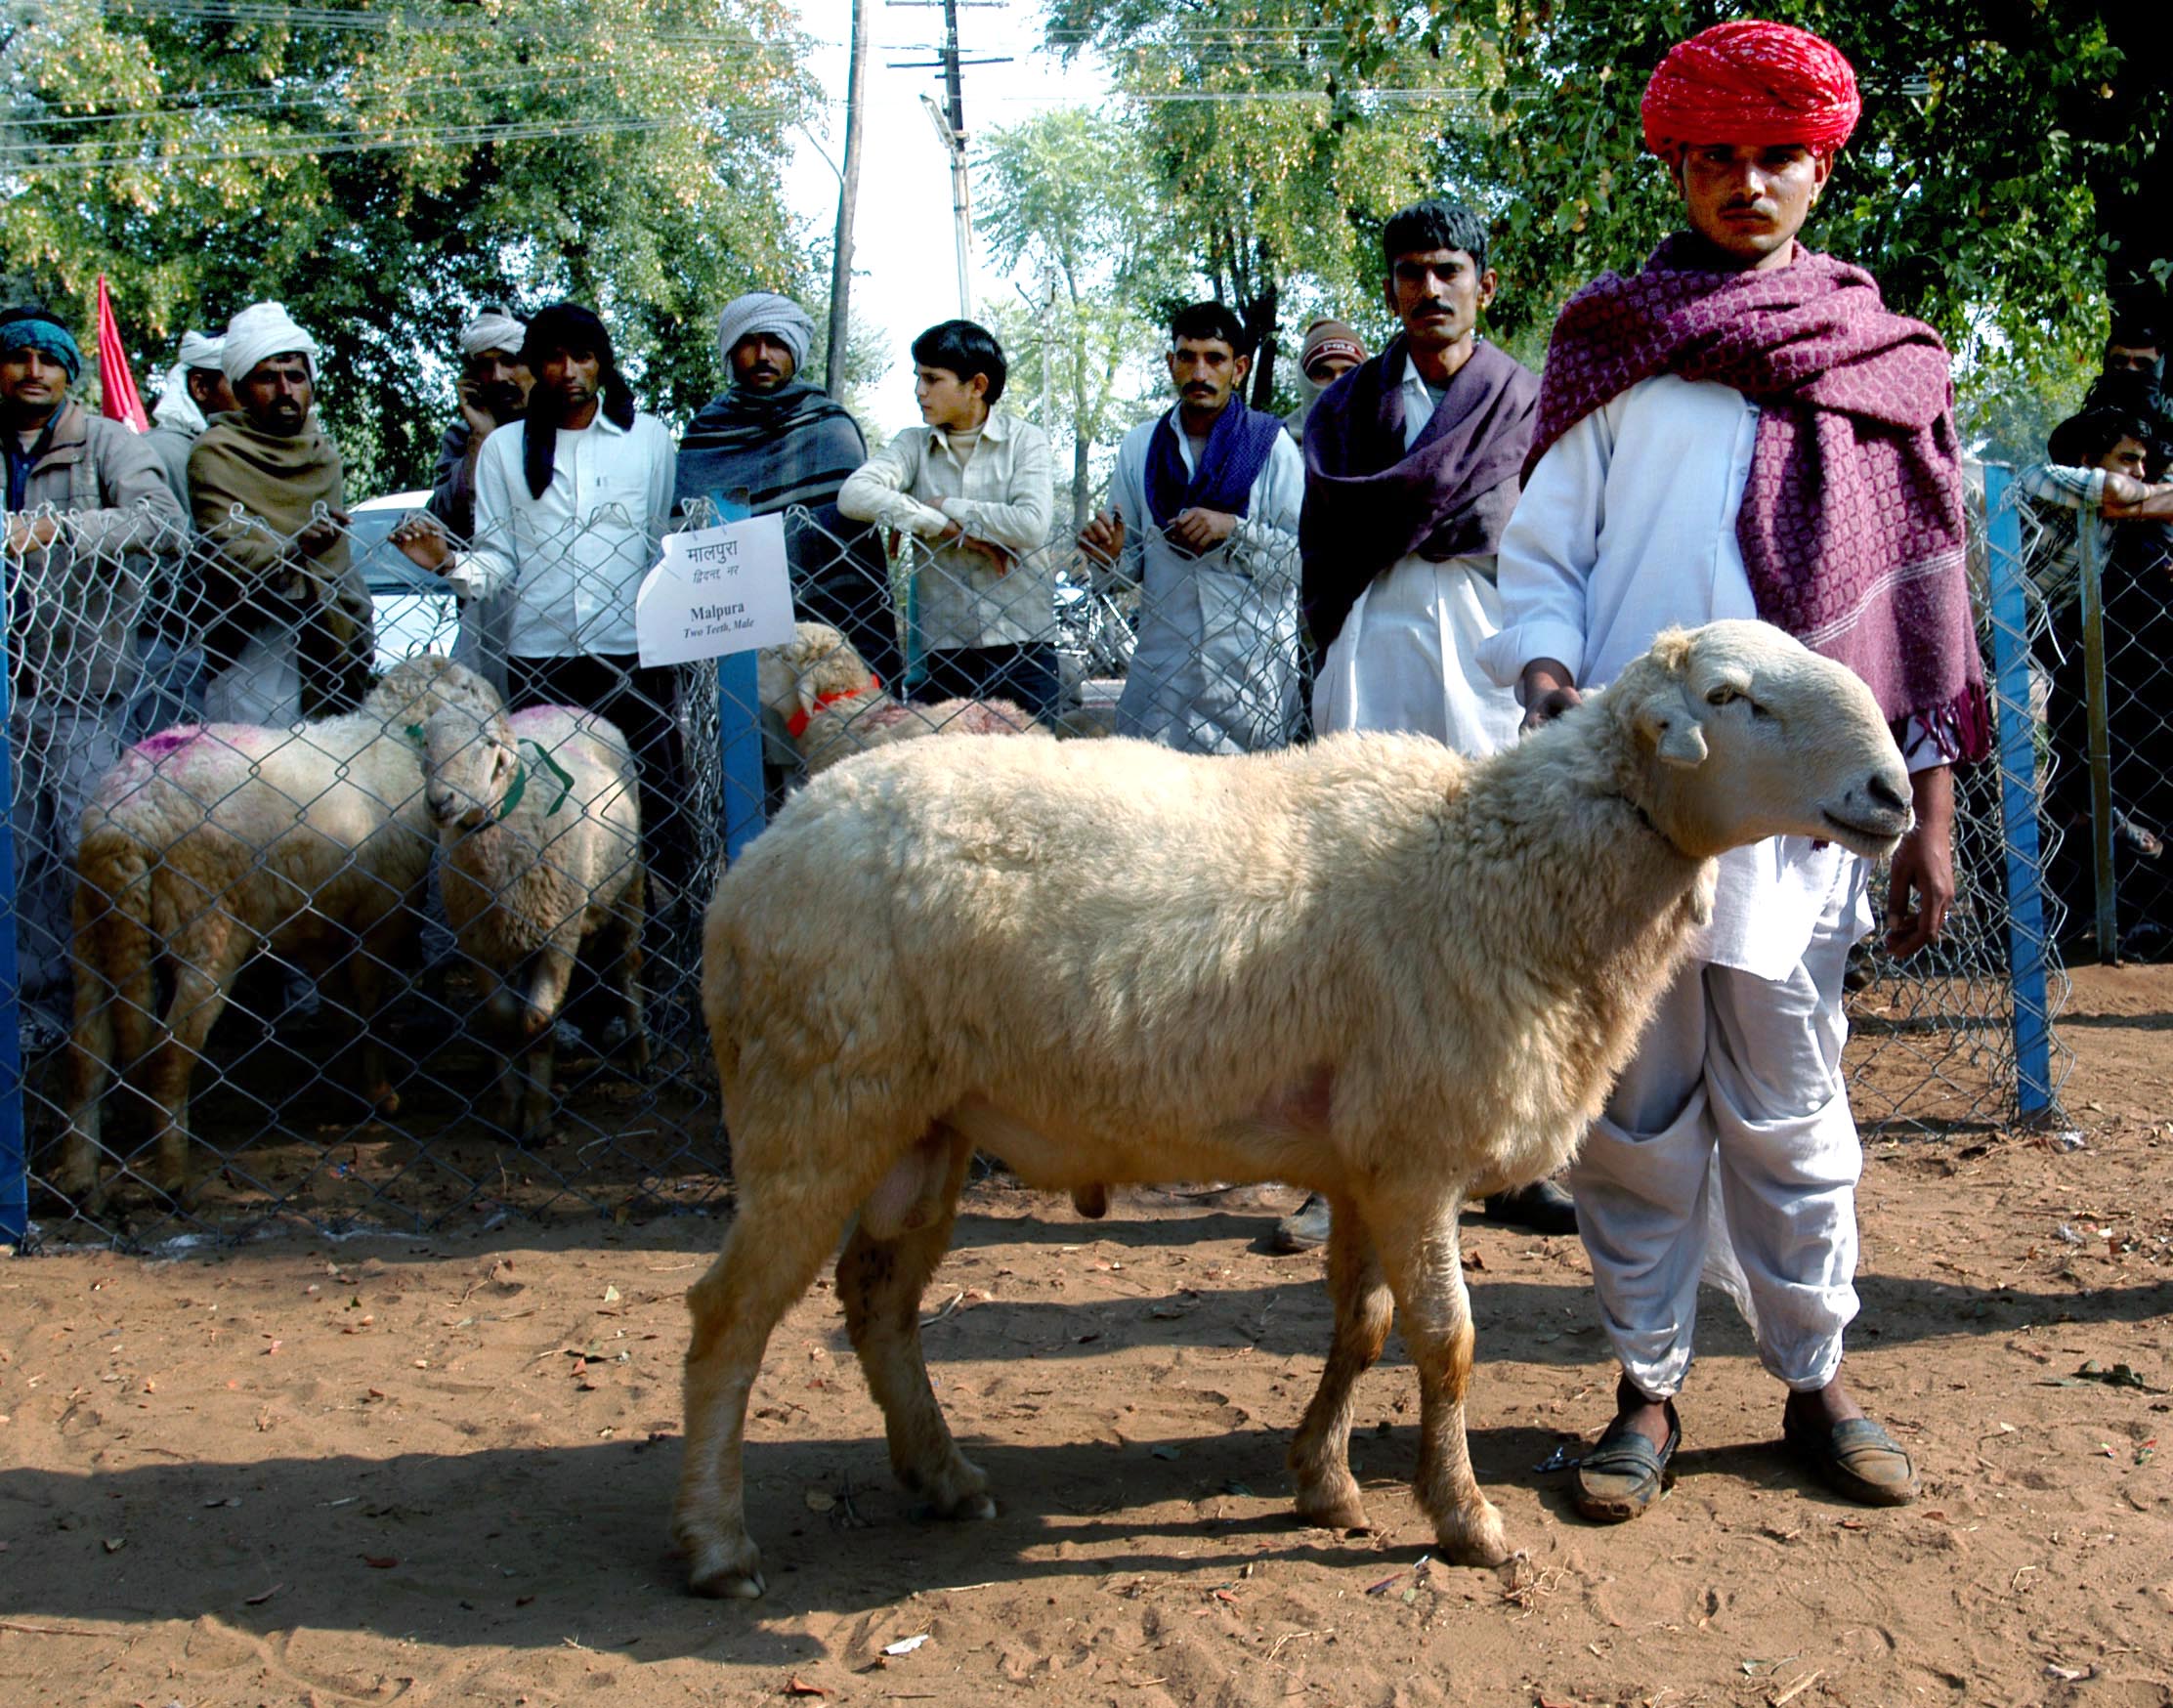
[
  {"x": 1742, "y": 429},
  {"x": 1411, "y": 461}
]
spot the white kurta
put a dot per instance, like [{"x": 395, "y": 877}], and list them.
[
  {"x": 1215, "y": 667},
  {"x": 1408, "y": 654},
  {"x": 1604, "y": 551},
  {"x": 1727, "y": 1147}
]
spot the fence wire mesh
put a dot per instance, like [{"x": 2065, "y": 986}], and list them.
[{"x": 317, "y": 930}]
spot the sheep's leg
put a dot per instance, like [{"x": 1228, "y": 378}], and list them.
[
  {"x": 879, "y": 1282},
  {"x": 201, "y": 986},
  {"x": 89, "y": 1071},
  {"x": 550, "y": 976},
  {"x": 1320, "y": 1453},
  {"x": 503, "y": 1007},
  {"x": 766, "y": 1263},
  {"x": 616, "y": 952},
  {"x": 369, "y": 970},
  {"x": 1417, "y": 1239}
]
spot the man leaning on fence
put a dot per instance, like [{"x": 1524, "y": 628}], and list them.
[
  {"x": 2103, "y": 461},
  {"x": 778, "y": 443},
  {"x": 494, "y": 392},
  {"x": 1741, "y": 428},
  {"x": 288, "y": 623},
  {"x": 972, "y": 488},
  {"x": 572, "y": 507},
  {"x": 1203, "y": 520},
  {"x": 89, "y": 520}
]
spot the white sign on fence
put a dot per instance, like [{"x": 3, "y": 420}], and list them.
[{"x": 718, "y": 591}]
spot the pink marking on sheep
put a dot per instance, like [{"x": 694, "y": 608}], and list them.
[{"x": 157, "y": 746}]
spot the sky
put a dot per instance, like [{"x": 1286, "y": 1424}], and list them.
[{"x": 904, "y": 274}]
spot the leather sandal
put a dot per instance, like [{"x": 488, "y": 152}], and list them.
[
  {"x": 1855, "y": 1458},
  {"x": 1623, "y": 1472}
]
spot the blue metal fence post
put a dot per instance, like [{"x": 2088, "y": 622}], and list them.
[
  {"x": 739, "y": 724},
  {"x": 15, "y": 1159},
  {"x": 2027, "y": 950}
]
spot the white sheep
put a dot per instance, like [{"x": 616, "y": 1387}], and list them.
[
  {"x": 835, "y": 707},
  {"x": 208, "y": 842},
  {"x": 1368, "y": 968},
  {"x": 540, "y": 825}
]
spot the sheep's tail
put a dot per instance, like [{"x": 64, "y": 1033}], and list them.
[{"x": 114, "y": 950}]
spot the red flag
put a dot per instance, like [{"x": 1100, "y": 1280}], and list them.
[{"x": 118, "y": 399}]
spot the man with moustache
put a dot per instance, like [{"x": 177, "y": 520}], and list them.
[
  {"x": 1202, "y": 519},
  {"x": 89, "y": 522},
  {"x": 1741, "y": 428},
  {"x": 1411, "y": 469},
  {"x": 572, "y": 507},
  {"x": 290, "y": 629},
  {"x": 783, "y": 444}
]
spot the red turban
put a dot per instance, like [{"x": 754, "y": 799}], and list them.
[{"x": 1751, "y": 82}]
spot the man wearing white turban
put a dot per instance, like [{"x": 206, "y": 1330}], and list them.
[
  {"x": 290, "y": 631},
  {"x": 780, "y": 444},
  {"x": 196, "y": 389},
  {"x": 172, "y": 651}
]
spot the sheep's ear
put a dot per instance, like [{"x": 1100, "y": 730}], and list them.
[{"x": 1667, "y": 721}]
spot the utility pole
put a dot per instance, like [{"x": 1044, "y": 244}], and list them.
[
  {"x": 848, "y": 194},
  {"x": 949, "y": 118}
]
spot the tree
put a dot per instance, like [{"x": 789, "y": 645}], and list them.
[
  {"x": 385, "y": 172},
  {"x": 1275, "y": 170},
  {"x": 1996, "y": 185},
  {"x": 1068, "y": 195}
]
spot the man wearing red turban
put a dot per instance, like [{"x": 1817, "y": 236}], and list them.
[{"x": 1740, "y": 429}]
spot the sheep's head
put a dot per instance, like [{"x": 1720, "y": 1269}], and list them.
[
  {"x": 469, "y": 763},
  {"x": 1741, "y": 733},
  {"x": 414, "y": 688},
  {"x": 817, "y": 664}
]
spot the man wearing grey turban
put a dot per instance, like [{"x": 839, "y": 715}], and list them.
[
  {"x": 493, "y": 392},
  {"x": 777, "y": 444}
]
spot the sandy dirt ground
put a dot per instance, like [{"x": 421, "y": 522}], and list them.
[{"x": 438, "y": 1471}]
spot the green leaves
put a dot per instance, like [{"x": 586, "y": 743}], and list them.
[{"x": 385, "y": 172}]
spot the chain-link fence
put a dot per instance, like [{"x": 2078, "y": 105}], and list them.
[{"x": 314, "y": 928}]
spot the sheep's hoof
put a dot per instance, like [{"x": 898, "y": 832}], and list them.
[
  {"x": 1472, "y": 1538},
  {"x": 971, "y": 1506},
  {"x": 727, "y": 1572},
  {"x": 1091, "y": 1202},
  {"x": 385, "y": 1101},
  {"x": 1334, "y": 1505}
]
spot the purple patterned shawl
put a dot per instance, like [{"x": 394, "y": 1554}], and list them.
[
  {"x": 1852, "y": 522},
  {"x": 1369, "y": 503}
]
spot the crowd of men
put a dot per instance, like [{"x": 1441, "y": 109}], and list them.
[{"x": 1739, "y": 428}]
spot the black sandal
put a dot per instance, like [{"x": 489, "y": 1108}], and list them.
[{"x": 1625, "y": 1472}]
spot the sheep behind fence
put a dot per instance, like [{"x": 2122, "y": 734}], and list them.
[{"x": 283, "y": 1134}]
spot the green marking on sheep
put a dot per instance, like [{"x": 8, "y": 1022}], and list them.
[{"x": 521, "y": 781}]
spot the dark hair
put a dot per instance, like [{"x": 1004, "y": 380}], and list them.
[
  {"x": 2081, "y": 440},
  {"x": 1434, "y": 225},
  {"x": 966, "y": 349},
  {"x": 2136, "y": 334},
  {"x": 577, "y": 331},
  {"x": 1211, "y": 320}
]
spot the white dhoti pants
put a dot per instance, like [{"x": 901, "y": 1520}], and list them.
[
  {"x": 1407, "y": 659},
  {"x": 1728, "y": 1151},
  {"x": 262, "y": 686}
]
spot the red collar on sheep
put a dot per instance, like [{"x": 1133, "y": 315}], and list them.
[{"x": 800, "y": 720}]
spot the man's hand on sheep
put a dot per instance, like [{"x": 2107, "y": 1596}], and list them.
[
  {"x": 1923, "y": 865},
  {"x": 1547, "y": 691}
]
